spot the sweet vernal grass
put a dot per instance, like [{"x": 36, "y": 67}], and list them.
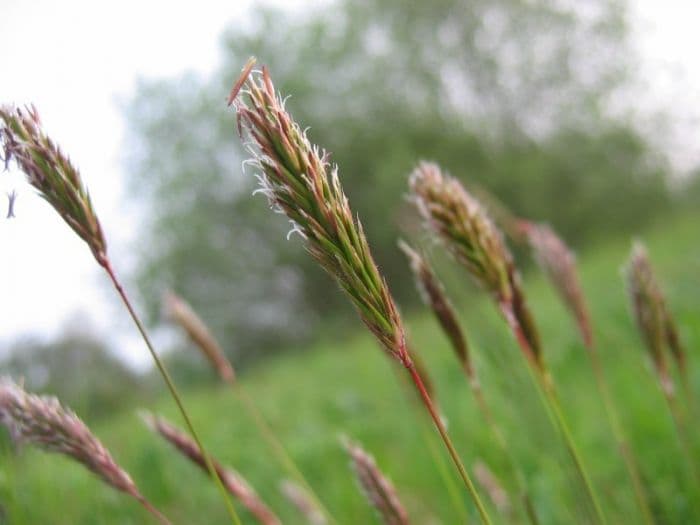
[
  {"x": 300, "y": 183},
  {"x": 468, "y": 233},
  {"x": 433, "y": 294},
  {"x": 181, "y": 313},
  {"x": 58, "y": 181}
]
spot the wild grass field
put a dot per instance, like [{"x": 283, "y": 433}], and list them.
[{"x": 346, "y": 386}]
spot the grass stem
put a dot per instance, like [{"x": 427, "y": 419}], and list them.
[
  {"x": 545, "y": 382},
  {"x": 626, "y": 452},
  {"x": 171, "y": 386},
  {"x": 430, "y": 406},
  {"x": 276, "y": 446}
]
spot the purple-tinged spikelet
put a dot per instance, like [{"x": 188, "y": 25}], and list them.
[
  {"x": 433, "y": 294},
  {"x": 464, "y": 227},
  {"x": 180, "y": 312},
  {"x": 559, "y": 264},
  {"x": 468, "y": 233},
  {"x": 234, "y": 483},
  {"x": 303, "y": 501},
  {"x": 51, "y": 172},
  {"x": 378, "y": 490},
  {"x": 43, "y": 422},
  {"x": 651, "y": 313},
  {"x": 492, "y": 486},
  {"x": 300, "y": 182}
]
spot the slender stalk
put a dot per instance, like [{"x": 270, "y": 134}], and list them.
[
  {"x": 429, "y": 405},
  {"x": 682, "y": 433},
  {"x": 171, "y": 386},
  {"x": 438, "y": 459},
  {"x": 546, "y": 383},
  {"x": 154, "y": 511},
  {"x": 180, "y": 312},
  {"x": 448, "y": 480},
  {"x": 276, "y": 446},
  {"x": 487, "y": 414},
  {"x": 619, "y": 435}
]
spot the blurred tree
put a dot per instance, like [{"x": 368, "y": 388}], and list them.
[
  {"x": 512, "y": 94},
  {"x": 79, "y": 370}
]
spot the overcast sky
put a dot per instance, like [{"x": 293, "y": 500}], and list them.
[{"x": 75, "y": 59}]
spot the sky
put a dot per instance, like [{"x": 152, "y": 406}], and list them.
[{"x": 75, "y": 60}]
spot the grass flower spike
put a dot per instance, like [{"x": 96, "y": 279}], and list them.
[
  {"x": 433, "y": 294},
  {"x": 51, "y": 172},
  {"x": 180, "y": 312},
  {"x": 463, "y": 224},
  {"x": 471, "y": 237},
  {"x": 559, "y": 264},
  {"x": 658, "y": 331},
  {"x": 42, "y": 421},
  {"x": 300, "y": 182},
  {"x": 474, "y": 241},
  {"x": 380, "y": 492},
  {"x": 234, "y": 482},
  {"x": 303, "y": 501},
  {"x": 649, "y": 311}
]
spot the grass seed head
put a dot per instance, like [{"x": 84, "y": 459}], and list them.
[
  {"x": 180, "y": 312},
  {"x": 51, "y": 172},
  {"x": 300, "y": 183},
  {"x": 464, "y": 227},
  {"x": 433, "y": 294},
  {"x": 493, "y": 487},
  {"x": 234, "y": 483},
  {"x": 648, "y": 308},
  {"x": 378, "y": 490},
  {"x": 559, "y": 264},
  {"x": 302, "y": 500},
  {"x": 43, "y": 422},
  {"x": 468, "y": 233}
]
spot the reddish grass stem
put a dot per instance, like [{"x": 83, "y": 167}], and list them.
[
  {"x": 429, "y": 405},
  {"x": 154, "y": 511}
]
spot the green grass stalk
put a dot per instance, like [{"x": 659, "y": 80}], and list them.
[
  {"x": 558, "y": 263},
  {"x": 628, "y": 456},
  {"x": 181, "y": 313},
  {"x": 277, "y": 447},
  {"x": 173, "y": 390},
  {"x": 546, "y": 384}
]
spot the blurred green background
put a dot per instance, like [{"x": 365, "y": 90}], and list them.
[{"x": 520, "y": 98}]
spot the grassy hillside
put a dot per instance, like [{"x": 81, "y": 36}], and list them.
[{"x": 348, "y": 387}]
